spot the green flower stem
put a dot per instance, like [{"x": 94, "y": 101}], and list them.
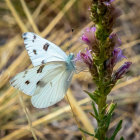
[{"x": 101, "y": 129}]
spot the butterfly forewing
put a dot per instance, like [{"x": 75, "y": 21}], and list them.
[{"x": 41, "y": 50}]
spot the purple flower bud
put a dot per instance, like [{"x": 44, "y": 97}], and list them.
[
  {"x": 122, "y": 70},
  {"x": 85, "y": 39},
  {"x": 88, "y": 36},
  {"x": 117, "y": 56},
  {"x": 85, "y": 57},
  {"x": 115, "y": 40}
]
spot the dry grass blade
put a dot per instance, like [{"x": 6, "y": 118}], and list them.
[
  {"x": 79, "y": 112},
  {"x": 15, "y": 14},
  {"x": 29, "y": 16},
  {"x": 58, "y": 17}
]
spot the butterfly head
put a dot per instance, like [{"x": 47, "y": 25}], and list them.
[{"x": 71, "y": 56}]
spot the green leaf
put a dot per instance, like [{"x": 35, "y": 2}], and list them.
[
  {"x": 108, "y": 116},
  {"x": 92, "y": 96},
  {"x": 86, "y": 132},
  {"x": 111, "y": 108},
  {"x": 95, "y": 110},
  {"x": 119, "y": 126},
  {"x": 93, "y": 116},
  {"x": 108, "y": 119}
]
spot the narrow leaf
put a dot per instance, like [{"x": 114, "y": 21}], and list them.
[
  {"x": 95, "y": 110},
  {"x": 111, "y": 108},
  {"x": 86, "y": 132},
  {"x": 91, "y": 96},
  {"x": 119, "y": 126},
  {"x": 93, "y": 116}
]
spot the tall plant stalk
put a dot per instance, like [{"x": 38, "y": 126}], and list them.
[{"x": 101, "y": 56}]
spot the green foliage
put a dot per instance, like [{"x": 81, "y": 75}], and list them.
[{"x": 119, "y": 126}]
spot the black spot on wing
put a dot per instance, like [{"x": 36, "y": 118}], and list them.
[
  {"x": 27, "y": 82},
  {"x": 34, "y": 37},
  {"x": 34, "y": 51},
  {"x": 24, "y": 38},
  {"x": 40, "y": 83},
  {"x": 46, "y": 46},
  {"x": 40, "y": 69}
]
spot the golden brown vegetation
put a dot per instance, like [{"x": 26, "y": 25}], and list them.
[{"x": 54, "y": 20}]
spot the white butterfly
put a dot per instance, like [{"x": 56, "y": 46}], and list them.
[{"x": 49, "y": 79}]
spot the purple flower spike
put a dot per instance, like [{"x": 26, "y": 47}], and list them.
[
  {"x": 85, "y": 57},
  {"x": 88, "y": 36},
  {"x": 122, "y": 70}
]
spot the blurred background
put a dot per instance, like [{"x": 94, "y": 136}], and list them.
[{"x": 55, "y": 20}]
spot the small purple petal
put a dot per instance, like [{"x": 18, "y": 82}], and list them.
[
  {"x": 122, "y": 70},
  {"x": 85, "y": 57},
  {"x": 88, "y": 53},
  {"x": 85, "y": 39},
  {"x": 88, "y": 36},
  {"x": 117, "y": 56},
  {"x": 93, "y": 29},
  {"x": 78, "y": 57}
]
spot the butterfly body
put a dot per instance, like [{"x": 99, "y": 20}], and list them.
[
  {"x": 70, "y": 63},
  {"x": 49, "y": 79}
]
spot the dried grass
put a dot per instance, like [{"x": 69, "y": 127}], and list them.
[{"x": 14, "y": 61}]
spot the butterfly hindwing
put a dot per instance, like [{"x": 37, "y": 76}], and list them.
[
  {"x": 41, "y": 50},
  {"x": 28, "y": 80},
  {"x": 54, "y": 90}
]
